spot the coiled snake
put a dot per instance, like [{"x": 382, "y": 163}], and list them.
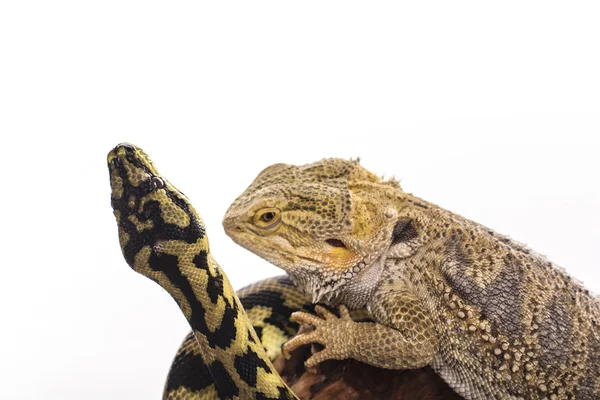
[{"x": 229, "y": 352}]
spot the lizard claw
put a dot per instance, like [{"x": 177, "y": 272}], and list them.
[
  {"x": 302, "y": 317},
  {"x": 344, "y": 313},
  {"x": 324, "y": 312},
  {"x": 331, "y": 331},
  {"x": 298, "y": 341},
  {"x": 318, "y": 358}
]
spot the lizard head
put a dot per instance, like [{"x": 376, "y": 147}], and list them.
[{"x": 326, "y": 224}]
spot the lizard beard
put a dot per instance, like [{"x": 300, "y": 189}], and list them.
[{"x": 353, "y": 289}]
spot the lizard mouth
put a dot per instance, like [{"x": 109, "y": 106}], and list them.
[
  {"x": 278, "y": 252},
  {"x": 308, "y": 258}
]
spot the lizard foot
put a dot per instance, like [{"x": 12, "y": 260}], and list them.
[{"x": 333, "y": 332}]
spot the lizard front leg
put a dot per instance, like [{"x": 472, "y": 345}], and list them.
[{"x": 402, "y": 338}]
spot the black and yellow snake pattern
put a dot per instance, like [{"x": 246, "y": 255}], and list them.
[
  {"x": 268, "y": 304},
  {"x": 228, "y": 354}
]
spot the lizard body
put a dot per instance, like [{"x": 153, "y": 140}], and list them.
[{"x": 494, "y": 319}]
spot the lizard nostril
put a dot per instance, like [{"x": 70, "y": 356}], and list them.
[{"x": 231, "y": 226}]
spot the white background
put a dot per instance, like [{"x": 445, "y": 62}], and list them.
[{"x": 492, "y": 111}]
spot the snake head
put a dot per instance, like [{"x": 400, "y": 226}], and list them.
[{"x": 149, "y": 210}]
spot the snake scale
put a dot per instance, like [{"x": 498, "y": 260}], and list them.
[{"x": 234, "y": 337}]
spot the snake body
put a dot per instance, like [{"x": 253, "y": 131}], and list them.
[
  {"x": 163, "y": 238},
  {"x": 268, "y": 304}
]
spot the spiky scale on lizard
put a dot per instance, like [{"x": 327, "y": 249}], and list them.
[{"x": 493, "y": 318}]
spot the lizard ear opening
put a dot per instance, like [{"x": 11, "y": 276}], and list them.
[
  {"x": 335, "y": 243},
  {"x": 403, "y": 231}
]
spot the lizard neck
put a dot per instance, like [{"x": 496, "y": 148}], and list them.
[
  {"x": 357, "y": 293},
  {"x": 401, "y": 238}
]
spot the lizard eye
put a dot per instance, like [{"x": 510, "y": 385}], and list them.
[{"x": 267, "y": 218}]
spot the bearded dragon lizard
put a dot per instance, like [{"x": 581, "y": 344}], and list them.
[{"x": 494, "y": 319}]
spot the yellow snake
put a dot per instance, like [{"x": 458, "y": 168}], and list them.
[{"x": 163, "y": 238}]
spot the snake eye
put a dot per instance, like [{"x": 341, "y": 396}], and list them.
[
  {"x": 157, "y": 182},
  {"x": 267, "y": 218}
]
